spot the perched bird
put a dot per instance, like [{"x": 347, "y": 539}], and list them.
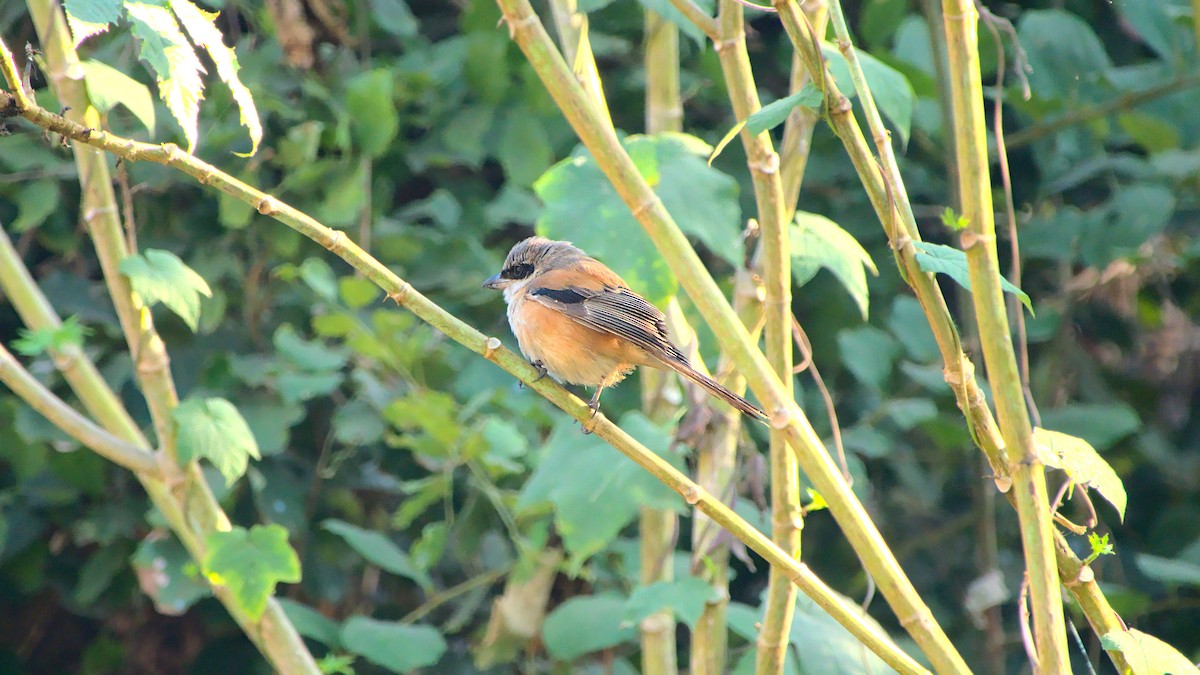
[{"x": 578, "y": 321}]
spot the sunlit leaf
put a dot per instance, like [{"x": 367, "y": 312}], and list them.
[
  {"x": 1147, "y": 654},
  {"x": 250, "y": 563},
  {"x": 200, "y": 26},
  {"x": 211, "y": 428},
  {"x": 86, "y": 18},
  {"x": 173, "y": 61},
  {"x": 160, "y": 276},
  {"x": 1082, "y": 463}
]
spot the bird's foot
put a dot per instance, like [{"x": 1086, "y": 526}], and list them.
[{"x": 541, "y": 368}]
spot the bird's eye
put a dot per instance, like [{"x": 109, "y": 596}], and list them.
[{"x": 516, "y": 271}]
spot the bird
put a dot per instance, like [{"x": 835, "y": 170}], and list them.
[{"x": 578, "y": 321}]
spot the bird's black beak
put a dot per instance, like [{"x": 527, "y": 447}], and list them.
[{"x": 494, "y": 282}]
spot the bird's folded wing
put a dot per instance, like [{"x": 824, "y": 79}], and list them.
[{"x": 614, "y": 310}]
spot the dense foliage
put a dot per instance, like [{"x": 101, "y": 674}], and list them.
[{"x": 436, "y": 509}]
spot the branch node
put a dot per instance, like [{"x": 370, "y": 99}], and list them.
[
  {"x": 970, "y": 239},
  {"x": 1086, "y": 576},
  {"x": 336, "y": 243},
  {"x": 267, "y": 206},
  {"x": 400, "y": 295},
  {"x": 646, "y": 206},
  {"x": 768, "y": 166},
  {"x": 692, "y": 494},
  {"x": 490, "y": 345}
]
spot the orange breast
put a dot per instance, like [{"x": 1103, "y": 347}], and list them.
[{"x": 570, "y": 351}]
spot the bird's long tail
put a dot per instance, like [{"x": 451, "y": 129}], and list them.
[{"x": 717, "y": 390}]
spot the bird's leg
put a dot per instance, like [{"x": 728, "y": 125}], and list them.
[
  {"x": 594, "y": 404},
  {"x": 541, "y": 368}
]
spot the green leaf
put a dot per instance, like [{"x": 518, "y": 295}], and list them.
[
  {"x": 940, "y": 259},
  {"x": 685, "y": 598},
  {"x": 98, "y": 572},
  {"x": 702, "y": 200},
  {"x": 1135, "y": 214},
  {"x": 374, "y": 120},
  {"x": 250, "y": 563},
  {"x": 819, "y": 242},
  {"x": 1082, "y": 463},
  {"x": 35, "y": 202},
  {"x": 1172, "y": 572},
  {"x": 201, "y": 27},
  {"x": 86, "y": 18},
  {"x": 894, "y": 95},
  {"x": 666, "y": 9},
  {"x": 160, "y": 276},
  {"x": 1147, "y": 654},
  {"x": 1155, "y": 23},
  {"x": 586, "y": 624},
  {"x": 312, "y": 624},
  {"x": 173, "y": 61},
  {"x": 1064, "y": 53},
  {"x": 524, "y": 148},
  {"x": 954, "y": 221},
  {"x": 824, "y": 646},
  {"x": 594, "y": 490},
  {"x": 868, "y": 353},
  {"x": 395, "y": 17},
  {"x": 312, "y": 355},
  {"x": 213, "y": 429},
  {"x": 109, "y": 87},
  {"x": 773, "y": 114},
  {"x": 1102, "y": 424},
  {"x": 378, "y": 550},
  {"x": 1153, "y": 133},
  {"x": 1099, "y": 546},
  {"x": 35, "y": 342},
  {"x": 395, "y": 646},
  {"x": 168, "y": 575},
  {"x": 357, "y": 292}
]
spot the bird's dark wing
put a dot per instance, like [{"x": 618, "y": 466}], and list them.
[{"x": 617, "y": 311}]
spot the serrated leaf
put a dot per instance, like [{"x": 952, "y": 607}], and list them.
[
  {"x": 175, "y": 64},
  {"x": 201, "y": 27},
  {"x": 109, "y": 87},
  {"x": 378, "y": 550},
  {"x": 819, "y": 242},
  {"x": 395, "y": 646},
  {"x": 160, "y": 276},
  {"x": 586, "y": 624},
  {"x": 1146, "y": 654},
  {"x": 37, "y": 341},
  {"x": 702, "y": 200},
  {"x": 373, "y": 117},
  {"x": 168, "y": 575},
  {"x": 893, "y": 93},
  {"x": 211, "y": 428},
  {"x": 685, "y": 598},
  {"x": 1082, "y": 463},
  {"x": 87, "y": 18},
  {"x": 941, "y": 259},
  {"x": 250, "y": 563}
]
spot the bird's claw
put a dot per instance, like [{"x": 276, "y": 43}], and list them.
[{"x": 540, "y": 368}]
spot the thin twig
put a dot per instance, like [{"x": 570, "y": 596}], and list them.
[
  {"x": 1023, "y": 620},
  {"x": 805, "y": 348}
]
